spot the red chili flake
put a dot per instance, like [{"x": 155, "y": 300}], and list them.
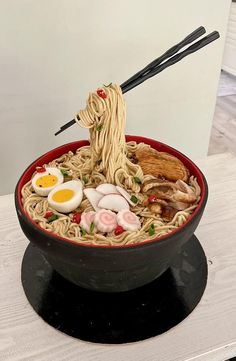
[
  {"x": 40, "y": 169},
  {"x": 48, "y": 214},
  {"x": 101, "y": 93},
  {"x": 119, "y": 230},
  {"x": 152, "y": 199},
  {"x": 76, "y": 218}
]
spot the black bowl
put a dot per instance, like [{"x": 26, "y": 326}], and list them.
[{"x": 109, "y": 268}]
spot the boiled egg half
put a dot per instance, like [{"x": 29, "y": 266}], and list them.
[
  {"x": 44, "y": 182},
  {"x": 66, "y": 197}
]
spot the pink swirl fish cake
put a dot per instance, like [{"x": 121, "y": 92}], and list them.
[
  {"x": 105, "y": 220},
  {"x": 86, "y": 220},
  {"x": 128, "y": 220}
]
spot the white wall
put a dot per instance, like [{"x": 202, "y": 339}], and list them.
[
  {"x": 53, "y": 52},
  {"x": 229, "y": 58}
]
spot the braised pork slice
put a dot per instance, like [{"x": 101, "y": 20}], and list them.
[
  {"x": 161, "y": 164},
  {"x": 169, "y": 191}
]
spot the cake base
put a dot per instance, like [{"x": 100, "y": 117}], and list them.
[{"x": 115, "y": 318}]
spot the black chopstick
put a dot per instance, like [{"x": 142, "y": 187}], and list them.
[
  {"x": 189, "y": 39},
  {"x": 154, "y": 68},
  {"x": 191, "y": 49},
  {"x": 65, "y": 126},
  {"x": 174, "y": 49}
]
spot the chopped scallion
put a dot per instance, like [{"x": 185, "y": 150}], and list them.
[
  {"x": 92, "y": 225},
  {"x": 134, "y": 199},
  {"x": 99, "y": 127},
  {"x": 64, "y": 172},
  {"x": 82, "y": 231},
  {"x": 52, "y": 218},
  {"x": 85, "y": 179},
  {"x": 151, "y": 230},
  {"x": 137, "y": 180}
]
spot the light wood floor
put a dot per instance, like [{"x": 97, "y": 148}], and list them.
[{"x": 223, "y": 133}]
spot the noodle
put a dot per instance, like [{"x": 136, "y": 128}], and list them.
[
  {"x": 105, "y": 119},
  {"x": 105, "y": 160}
]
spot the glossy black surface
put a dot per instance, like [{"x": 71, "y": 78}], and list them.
[{"x": 116, "y": 317}]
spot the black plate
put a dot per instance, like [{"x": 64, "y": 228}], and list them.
[{"x": 116, "y": 317}]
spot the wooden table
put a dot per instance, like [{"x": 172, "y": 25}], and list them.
[{"x": 208, "y": 334}]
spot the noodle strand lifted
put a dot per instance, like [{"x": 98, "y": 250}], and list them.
[{"x": 105, "y": 119}]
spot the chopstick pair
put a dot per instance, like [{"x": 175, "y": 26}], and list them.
[{"x": 164, "y": 61}]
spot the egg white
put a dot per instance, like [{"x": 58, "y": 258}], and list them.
[
  {"x": 44, "y": 191},
  {"x": 68, "y": 206}
]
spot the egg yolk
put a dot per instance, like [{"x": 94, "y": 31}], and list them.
[
  {"x": 63, "y": 195},
  {"x": 46, "y": 181}
]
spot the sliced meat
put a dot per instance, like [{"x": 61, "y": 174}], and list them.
[
  {"x": 169, "y": 191},
  {"x": 157, "y": 182},
  {"x": 184, "y": 187},
  {"x": 161, "y": 164},
  {"x": 162, "y": 189},
  {"x": 184, "y": 193},
  {"x": 155, "y": 208},
  {"x": 184, "y": 197},
  {"x": 180, "y": 206},
  {"x": 168, "y": 213}
]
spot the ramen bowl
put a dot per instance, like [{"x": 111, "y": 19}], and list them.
[{"x": 110, "y": 268}]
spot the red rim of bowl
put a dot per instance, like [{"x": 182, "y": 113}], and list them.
[{"x": 73, "y": 146}]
